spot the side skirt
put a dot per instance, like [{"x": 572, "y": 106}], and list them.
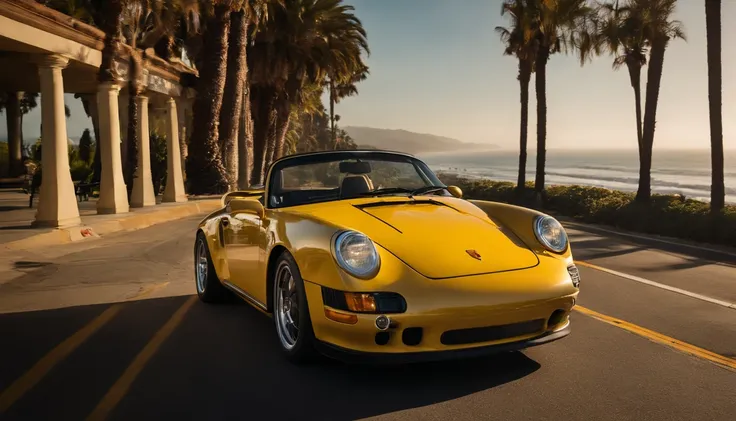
[{"x": 246, "y": 297}]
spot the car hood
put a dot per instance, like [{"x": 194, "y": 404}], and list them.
[{"x": 436, "y": 237}]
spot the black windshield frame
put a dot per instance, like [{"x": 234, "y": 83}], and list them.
[{"x": 335, "y": 156}]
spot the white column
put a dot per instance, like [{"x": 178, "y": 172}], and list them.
[
  {"x": 113, "y": 194},
  {"x": 142, "y": 194},
  {"x": 174, "y": 191},
  {"x": 57, "y": 203}
]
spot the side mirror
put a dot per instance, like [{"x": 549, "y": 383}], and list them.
[
  {"x": 455, "y": 191},
  {"x": 251, "y": 206}
]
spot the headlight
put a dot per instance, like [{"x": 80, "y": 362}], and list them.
[
  {"x": 356, "y": 254},
  {"x": 550, "y": 233}
]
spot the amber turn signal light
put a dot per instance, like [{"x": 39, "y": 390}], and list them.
[
  {"x": 340, "y": 317},
  {"x": 360, "y": 302}
]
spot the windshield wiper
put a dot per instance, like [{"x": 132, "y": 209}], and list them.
[
  {"x": 394, "y": 190},
  {"x": 427, "y": 190},
  {"x": 387, "y": 190}
]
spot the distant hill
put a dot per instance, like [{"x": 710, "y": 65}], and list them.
[{"x": 409, "y": 142}]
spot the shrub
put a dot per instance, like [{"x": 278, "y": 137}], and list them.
[
  {"x": 81, "y": 171},
  {"x": 667, "y": 215}
]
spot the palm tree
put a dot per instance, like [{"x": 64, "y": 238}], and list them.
[
  {"x": 713, "y": 33},
  {"x": 556, "y": 25},
  {"x": 300, "y": 44},
  {"x": 145, "y": 22},
  {"x": 204, "y": 165},
  {"x": 521, "y": 44},
  {"x": 232, "y": 115},
  {"x": 16, "y": 105},
  {"x": 659, "y": 29},
  {"x": 111, "y": 22},
  {"x": 232, "y": 103},
  {"x": 620, "y": 32}
]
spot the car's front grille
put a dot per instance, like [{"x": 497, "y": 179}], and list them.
[{"x": 491, "y": 333}]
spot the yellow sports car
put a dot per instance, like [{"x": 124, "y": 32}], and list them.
[{"x": 367, "y": 255}]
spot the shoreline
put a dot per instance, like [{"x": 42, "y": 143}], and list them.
[{"x": 589, "y": 182}]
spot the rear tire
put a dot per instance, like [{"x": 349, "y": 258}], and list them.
[
  {"x": 291, "y": 311},
  {"x": 209, "y": 287}
]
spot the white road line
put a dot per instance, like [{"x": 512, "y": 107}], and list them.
[
  {"x": 658, "y": 285},
  {"x": 583, "y": 227},
  {"x": 574, "y": 238}
]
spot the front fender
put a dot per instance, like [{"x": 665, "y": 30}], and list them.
[{"x": 520, "y": 220}]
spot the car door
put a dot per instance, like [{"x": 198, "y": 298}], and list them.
[{"x": 243, "y": 246}]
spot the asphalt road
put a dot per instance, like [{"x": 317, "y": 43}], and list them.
[{"x": 110, "y": 327}]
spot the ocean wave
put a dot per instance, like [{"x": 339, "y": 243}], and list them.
[
  {"x": 628, "y": 184},
  {"x": 635, "y": 181}
]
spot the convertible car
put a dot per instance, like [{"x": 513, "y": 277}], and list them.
[{"x": 368, "y": 256}]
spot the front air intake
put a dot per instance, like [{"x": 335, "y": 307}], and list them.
[{"x": 491, "y": 333}]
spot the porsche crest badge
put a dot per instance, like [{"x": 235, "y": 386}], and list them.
[{"x": 474, "y": 254}]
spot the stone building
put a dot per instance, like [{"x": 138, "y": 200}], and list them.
[{"x": 42, "y": 50}]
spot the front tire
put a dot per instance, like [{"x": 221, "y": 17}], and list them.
[
  {"x": 209, "y": 287},
  {"x": 291, "y": 311}
]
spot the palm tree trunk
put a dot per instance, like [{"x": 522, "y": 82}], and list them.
[
  {"x": 540, "y": 82},
  {"x": 635, "y": 76},
  {"x": 282, "y": 128},
  {"x": 14, "y": 119},
  {"x": 525, "y": 71},
  {"x": 273, "y": 122},
  {"x": 713, "y": 31},
  {"x": 333, "y": 134},
  {"x": 262, "y": 101},
  {"x": 135, "y": 89},
  {"x": 654, "y": 79},
  {"x": 206, "y": 174},
  {"x": 112, "y": 28},
  {"x": 245, "y": 142},
  {"x": 232, "y": 102}
]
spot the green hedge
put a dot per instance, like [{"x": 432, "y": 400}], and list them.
[{"x": 666, "y": 215}]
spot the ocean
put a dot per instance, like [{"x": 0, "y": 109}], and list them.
[{"x": 686, "y": 172}]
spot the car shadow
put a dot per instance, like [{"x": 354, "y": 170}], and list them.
[{"x": 230, "y": 354}]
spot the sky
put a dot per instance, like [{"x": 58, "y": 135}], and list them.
[{"x": 437, "y": 66}]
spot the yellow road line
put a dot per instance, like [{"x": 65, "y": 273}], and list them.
[
  {"x": 24, "y": 383},
  {"x": 148, "y": 290},
  {"x": 122, "y": 385},
  {"x": 660, "y": 338}
]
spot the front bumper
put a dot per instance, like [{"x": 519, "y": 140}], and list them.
[
  {"x": 452, "y": 324},
  {"x": 353, "y": 356}
]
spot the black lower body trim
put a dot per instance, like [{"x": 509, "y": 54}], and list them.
[{"x": 351, "y": 356}]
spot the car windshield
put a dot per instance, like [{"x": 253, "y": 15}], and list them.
[{"x": 331, "y": 176}]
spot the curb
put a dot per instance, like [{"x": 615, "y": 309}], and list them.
[{"x": 127, "y": 222}]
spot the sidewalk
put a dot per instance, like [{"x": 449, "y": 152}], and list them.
[{"x": 16, "y": 217}]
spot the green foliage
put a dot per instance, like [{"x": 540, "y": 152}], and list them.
[
  {"x": 85, "y": 146},
  {"x": 81, "y": 171},
  {"x": 666, "y": 215},
  {"x": 158, "y": 161}
]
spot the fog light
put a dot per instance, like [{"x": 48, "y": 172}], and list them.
[
  {"x": 360, "y": 303},
  {"x": 383, "y": 322}
]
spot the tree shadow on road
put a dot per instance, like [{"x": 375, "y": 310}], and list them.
[{"x": 221, "y": 362}]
